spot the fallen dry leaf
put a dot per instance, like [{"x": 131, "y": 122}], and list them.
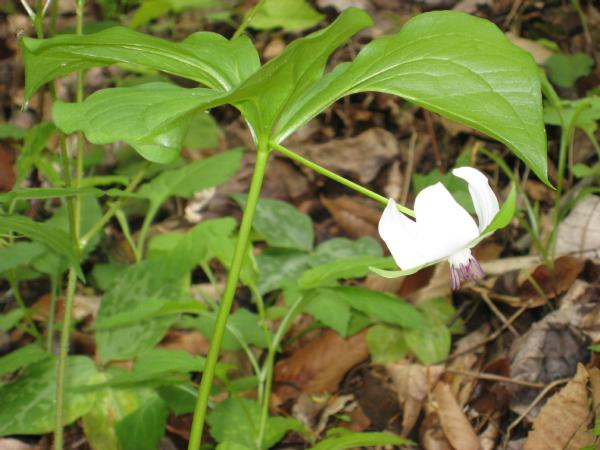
[
  {"x": 489, "y": 436},
  {"x": 432, "y": 435},
  {"x": 353, "y": 215},
  {"x": 319, "y": 366},
  {"x": 563, "y": 422},
  {"x": 551, "y": 282},
  {"x": 455, "y": 424},
  {"x": 192, "y": 342},
  {"x": 469, "y": 360},
  {"x": 579, "y": 233},
  {"x": 412, "y": 382},
  {"x": 361, "y": 156},
  {"x": 539, "y": 52},
  {"x": 14, "y": 444}
]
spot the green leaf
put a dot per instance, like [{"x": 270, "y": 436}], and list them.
[
  {"x": 153, "y": 118},
  {"x": 55, "y": 238},
  {"x": 236, "y": 420},
  {"x": 153, "y": 9},
  {"x": 290, "y": 15},
  {"x": 111, "y": 405},
  {"x": 22, "y": 357},
  {"x": 241, "y": 325},
  {"x": 158, "y": 361},
  {"x": 454, "y": 64},
  {"x": 380, "y": 306},
  {"x": 343, "y": 248},
  {"x": 9, "y": 131},
  {"x": 144, "y": 427},
  {"x": 193, "y": 177},
  {"x": 280, "y": 223},
  {"x": 328, "y": 274},
  {"x": 10, "y": 319},
  {"x": 343, "y": 439},
  {"x": 207, "y": 58},
  {"x": 150, "y": 280},
  {"x": 280, "y": 83},
  {"x": 386, "y": 344},
  {"x": 59, "y": 192},
  {"x": 19, "y": 254},
  {"x": 431, "y": 342},
  {"x": 276, "y": 266},
  {"x": 331, "y": 310},
  {"x": 28, "y": 404},
  {"x": 564, "y": 70},
  {"x": 180, "y": 398},
  {"x": 35, "y": 142}
]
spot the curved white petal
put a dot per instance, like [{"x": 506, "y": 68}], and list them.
[
  {"x": 400, "y": 235},
  {"x": 443, "y": 226},
  {"x": 484, "y": 199}
]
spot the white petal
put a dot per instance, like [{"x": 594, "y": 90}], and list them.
[
  {"x": 484, "y": 199},
  {"x": 400, "y": 235},
  {"x": 443, "y": 226}
]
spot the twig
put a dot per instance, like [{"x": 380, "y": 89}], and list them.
[
  {"x": 494, "y": 309},
  {"x": 494, "y": 377},
  {"x": 409, "y": 167},
  {"x": 434, "y": 145}
]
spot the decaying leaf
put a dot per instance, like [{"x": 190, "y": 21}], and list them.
[
  {"x": 412, "y": 383},
  {"x": 361, "y": 156},
  {"x": 563, "y": 423},
  {"x": 353, "y": 215},
  {"x": 318, "y": 366},
  {"x": 579, "y": 233},
  {"x": 551, "y": 282},
  {"x": 455, "y": 424}
]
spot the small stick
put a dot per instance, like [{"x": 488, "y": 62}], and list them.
[
  {"x": 434, "y": 145},
  {"x": 494, "y": 377}
]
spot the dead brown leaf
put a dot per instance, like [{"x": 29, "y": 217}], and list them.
[
  {"x": 413, "y": 382},
  {"x": 455, "y": 424},
  {"x": 579, "y": 233},
  {"x": 14, "y": 444},
  {"x": 319, "y": 366},
  {"x": 539, "y": 52},
  {"x": 432, "y": 435},
  {"x": 361, "y": 157},
  {"x": 563, "y": 422},
  {"x": 192, "y": 342},
  {"x": 353, "y": 215},
  {"x": 551, "y": 282}
]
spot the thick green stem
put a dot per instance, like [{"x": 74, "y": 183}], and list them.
[
  {"x": 340, "y": 179},
  {"x": 262, "y": 157}
]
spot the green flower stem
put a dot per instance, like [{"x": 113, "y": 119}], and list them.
[
  {"x": 262, "y": 156},
  {"x": 269, "y": 364},
  {"x": 249, "y": 16},
  {"x": 334, "y": 176},
  {"x": 74, "y": 209}
]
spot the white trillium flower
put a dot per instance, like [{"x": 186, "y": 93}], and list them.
[{"x": 443, "y": 229}]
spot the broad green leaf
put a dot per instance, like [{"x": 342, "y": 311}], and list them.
[
  {"x": 386, "y": 344},
  {"x": 111, "y": 405},
  {"x": 9, "y": 131},
  {"x": 236, "y": 420},
  {"x": 380, "y": 306},
  {"x": 281, "y": 82},
  {"x": 328, "y": 274},
  {"x": 227, "y": 445},
  {"x": 193, "y": 177},
  {"x": 19, "y": 254},
  {"x": 180, "y": 398},
  {"x": 143, "y": 428},
  {"x": 204, "y": 134},
  {"x": 28, "y": 404},
  {"x": 331, "y": 310},
  {"x": 276, "y": 266},
  {"x": 584, "y": 112},
  {"x": 159, "y": 360},
  {"x": 59, "y": 192},
  {"x": 55, "y": 238},
  {"x": 153, "y": 279},
  {"x": 343, "y": 439},
  {"x": 287, "y": 14},
  {"x": 454, "y": 64},
  {"x": 22, "y": 357},
  {"x": 10, "y": 319},
  {"x": 241, "y": 325},
  {"x": 35, "y": 141},
  {"x": 280, "y": 223},
  {"x": 153, "y": 118},
  {"x": 431, "y": 342},
  {"x": 564, "y": 70},
  {"x": 153, "y": 9},
  {"x": 343, "y": 248},
  {"x": 207, "y": 58}
]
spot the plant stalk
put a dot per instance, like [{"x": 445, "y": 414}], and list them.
[
  {"x": 262, "y": 156},
  {"x": 340, "y": 179}
]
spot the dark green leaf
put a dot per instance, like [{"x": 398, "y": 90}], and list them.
[
  {"x": 28, "y": 404},
  {"x": 205, "y": 57},
  {"x": 158, "y": 361},
  {"x": 276, "y": 266},
  {"x": 280, "y": 223},
  {"x": 143, "y": 428},
  {"x": 386, "y": 344},
  {"x": 10, "y": 319},
  {"x": 328, "y": 274},
  {"x": 454, "y": 64},
  {"x": 431, "y": 342},
  {"x": 290, "y": 15},
  {"x": 19, "y": 254},
  {"x": 564, "y": 70},
  {"x": 331, "y": 310},
  {"x": 22, "y": 357},
  {"x": 343, "y": 248}
]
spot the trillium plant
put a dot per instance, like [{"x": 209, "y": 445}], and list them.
[
  {"x": 456, "y": 65},
  {"x": 442, "y": 230}
]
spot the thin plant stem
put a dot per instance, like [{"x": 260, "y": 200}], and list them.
[
  {"x": 248, "y": 19},
  {"x": 52, "y": 312},
  {"x": 340, "y": 179},
  {"x": 74, "y": 208},
  {"x": 268, "y": 367},
  {"x": 262, "y": 156},
  {"x": 148, "y": 218},
  {"x": 14, "y": 286}
]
